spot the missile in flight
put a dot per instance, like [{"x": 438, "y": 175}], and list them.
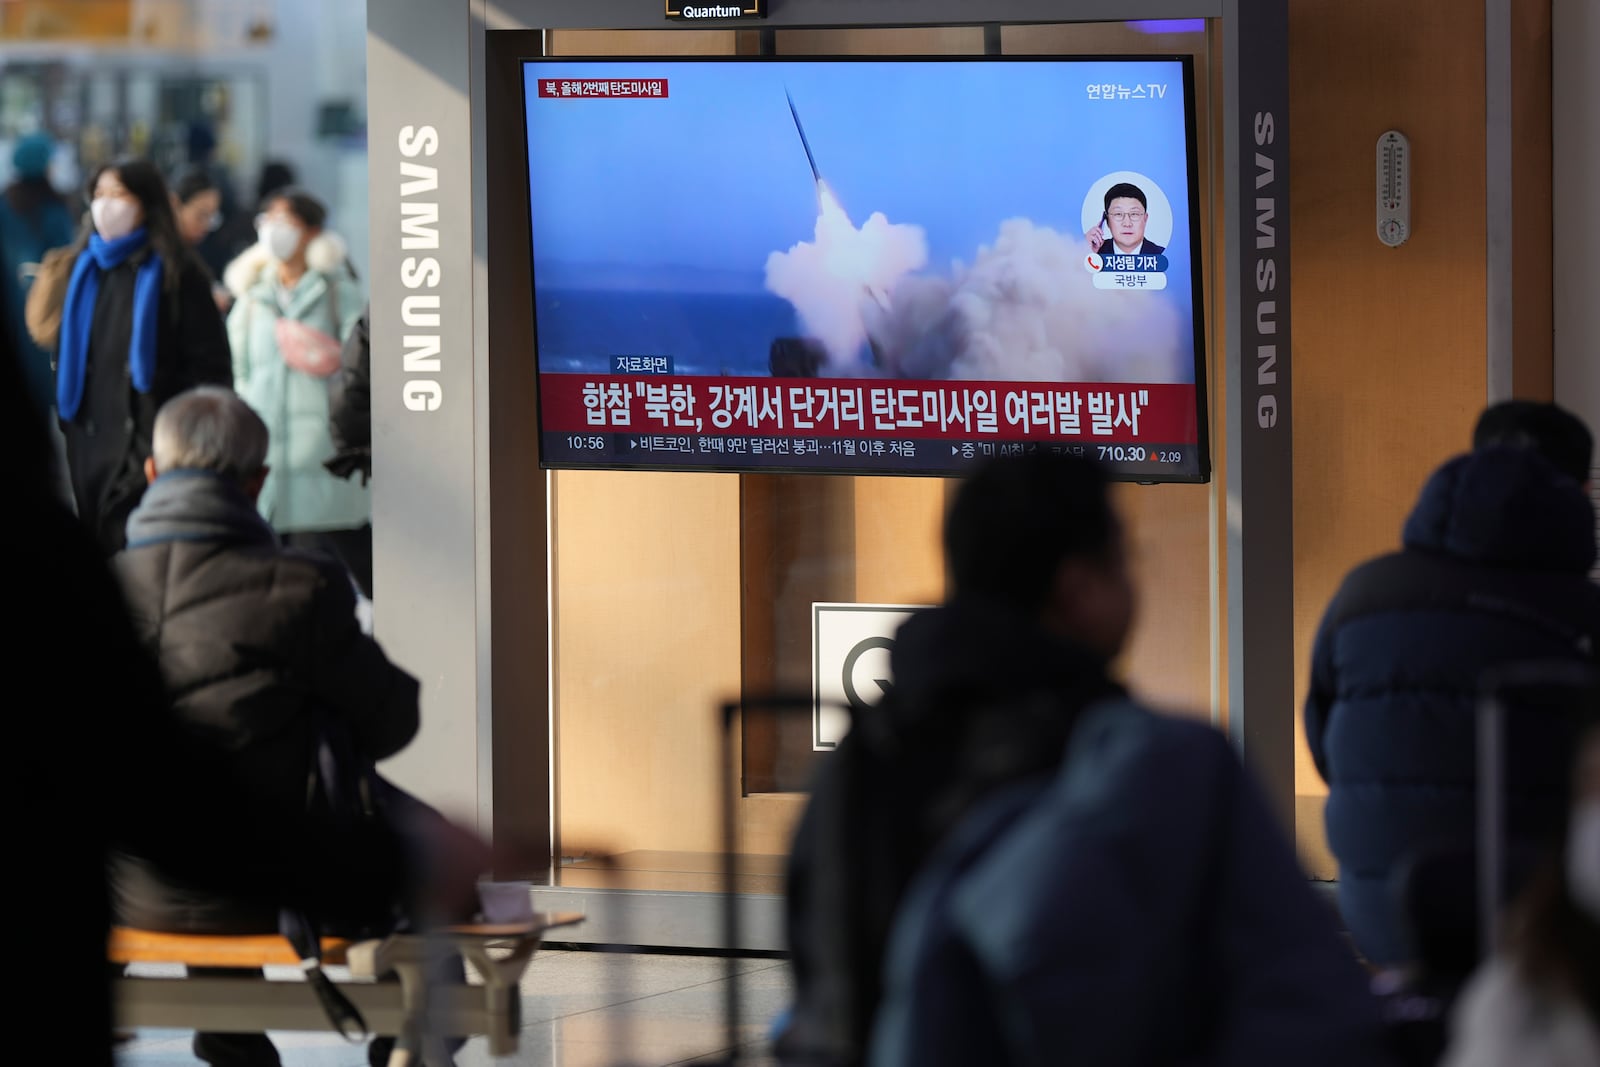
[
  {"x": 875, "y": 293},
  {"x": 804, "y": 140}
]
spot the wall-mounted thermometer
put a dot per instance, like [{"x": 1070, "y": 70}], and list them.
[{"x": 1394, "y": 188}]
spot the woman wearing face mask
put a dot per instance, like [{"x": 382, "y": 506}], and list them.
[
  {"x": 1537, "y": 1003},
  {"x": 197, "y": 203},
  {"x": 138, "y": 327},
  {"x": 296, "y": 299}
]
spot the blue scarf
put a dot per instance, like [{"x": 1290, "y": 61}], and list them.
[{"x": 77, "y": 317}]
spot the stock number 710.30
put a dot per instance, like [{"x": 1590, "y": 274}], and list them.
[{"x": 1138, "y": 454}]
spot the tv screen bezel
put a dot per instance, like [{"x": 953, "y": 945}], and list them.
[{"x": 1202, "y": 475}]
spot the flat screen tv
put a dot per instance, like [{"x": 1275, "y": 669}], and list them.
[{"x": 866, "y": 266}]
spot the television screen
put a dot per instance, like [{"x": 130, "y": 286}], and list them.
[{"x": 866, "y": 266}]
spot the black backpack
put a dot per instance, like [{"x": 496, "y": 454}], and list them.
[{"x": 344, "y": 789}]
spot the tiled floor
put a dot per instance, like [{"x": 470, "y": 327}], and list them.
[{"x": 580, "y": 1009}]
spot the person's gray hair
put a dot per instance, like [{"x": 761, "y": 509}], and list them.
[{"x": 209, "y": 428}]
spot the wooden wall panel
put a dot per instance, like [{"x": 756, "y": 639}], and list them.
[
  {"x": 898, "y": 555},
  {"x": 646, "y": 613},
  {"x": 798, "y": 541},
  {"x": 1390, "y": 343},
  {"x": 1168, "y": 661},
  {"x": 1390, "y": 366}
]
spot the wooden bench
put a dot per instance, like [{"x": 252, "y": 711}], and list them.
[{"x": 387, "y": 983}]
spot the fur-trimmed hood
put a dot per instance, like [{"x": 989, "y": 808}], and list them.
[{"x": 326, "y": 254}]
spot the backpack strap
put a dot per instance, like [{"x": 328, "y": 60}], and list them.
[{"x": 306, "y": 939}]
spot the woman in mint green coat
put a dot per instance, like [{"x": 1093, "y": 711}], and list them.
[{"x": 296, "y": 298}]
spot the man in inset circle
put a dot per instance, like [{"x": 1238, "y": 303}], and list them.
[{"x": 1126, "y": 213}]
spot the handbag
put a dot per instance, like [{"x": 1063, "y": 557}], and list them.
[
  {"x": 47, "y": 295},
  {"x": 305, "y": 348}
]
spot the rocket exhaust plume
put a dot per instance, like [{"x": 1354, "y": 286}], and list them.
[
  {"x": 1025, "y": 310},
  {"x": 845, "y": 272}
]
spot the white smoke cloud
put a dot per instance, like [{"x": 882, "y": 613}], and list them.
[
  {"x": 1025, "y": 310},
  {"x": 831, "y": 280}
]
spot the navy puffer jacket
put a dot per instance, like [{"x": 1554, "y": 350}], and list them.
[{"x": 1494, "y": 571}]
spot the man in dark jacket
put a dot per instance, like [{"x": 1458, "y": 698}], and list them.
[
  {"x": 988, "y": 692},
  {"x": 259, "y": 645},
  {"x": 1493, "y": 571}
]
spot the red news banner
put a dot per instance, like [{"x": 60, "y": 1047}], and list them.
[{"x": 813, "y": 407}]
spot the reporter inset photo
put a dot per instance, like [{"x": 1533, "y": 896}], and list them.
[{"x": 1127, "y": 214}]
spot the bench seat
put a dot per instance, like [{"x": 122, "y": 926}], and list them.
[
  {"x": 387, "y": 982},
  {"x": 204, "y": 950}
]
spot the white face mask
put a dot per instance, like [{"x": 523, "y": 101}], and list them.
[
  {"x": 114, "y": 217},
  {"x": 1583, "y": 858},
  {"x": 280, "y": 239}
]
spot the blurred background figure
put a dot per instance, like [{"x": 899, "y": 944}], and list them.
[
  {"x": 350, "y": 405},
  {"x": 138, "y": 326},
  {"x": 296, "y": 300},
  {"x": 198, "y": 204},
  {"x": 206, "y": 174},
  {"x": 275, "y": 177},
  {"x": 34, "y": 218},
  {"x": 1537, "y": 1002},
  {"x": 238, "y": 234},
  {"x": 201, "y": 153}
]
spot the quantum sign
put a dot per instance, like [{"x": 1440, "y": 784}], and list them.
[{"x": 749, "y": 9}]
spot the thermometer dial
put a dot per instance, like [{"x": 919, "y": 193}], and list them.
[{"x": 1394, "y": 188}]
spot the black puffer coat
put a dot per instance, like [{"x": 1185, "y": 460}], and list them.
[
  {"x": 1494, "y": 571},
  {"x": 255, "y": 642}
]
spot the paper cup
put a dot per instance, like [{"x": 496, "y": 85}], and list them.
[{"x": 506, "y": 902}]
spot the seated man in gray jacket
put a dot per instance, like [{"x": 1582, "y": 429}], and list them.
[{"x": 260, "y": 649}]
